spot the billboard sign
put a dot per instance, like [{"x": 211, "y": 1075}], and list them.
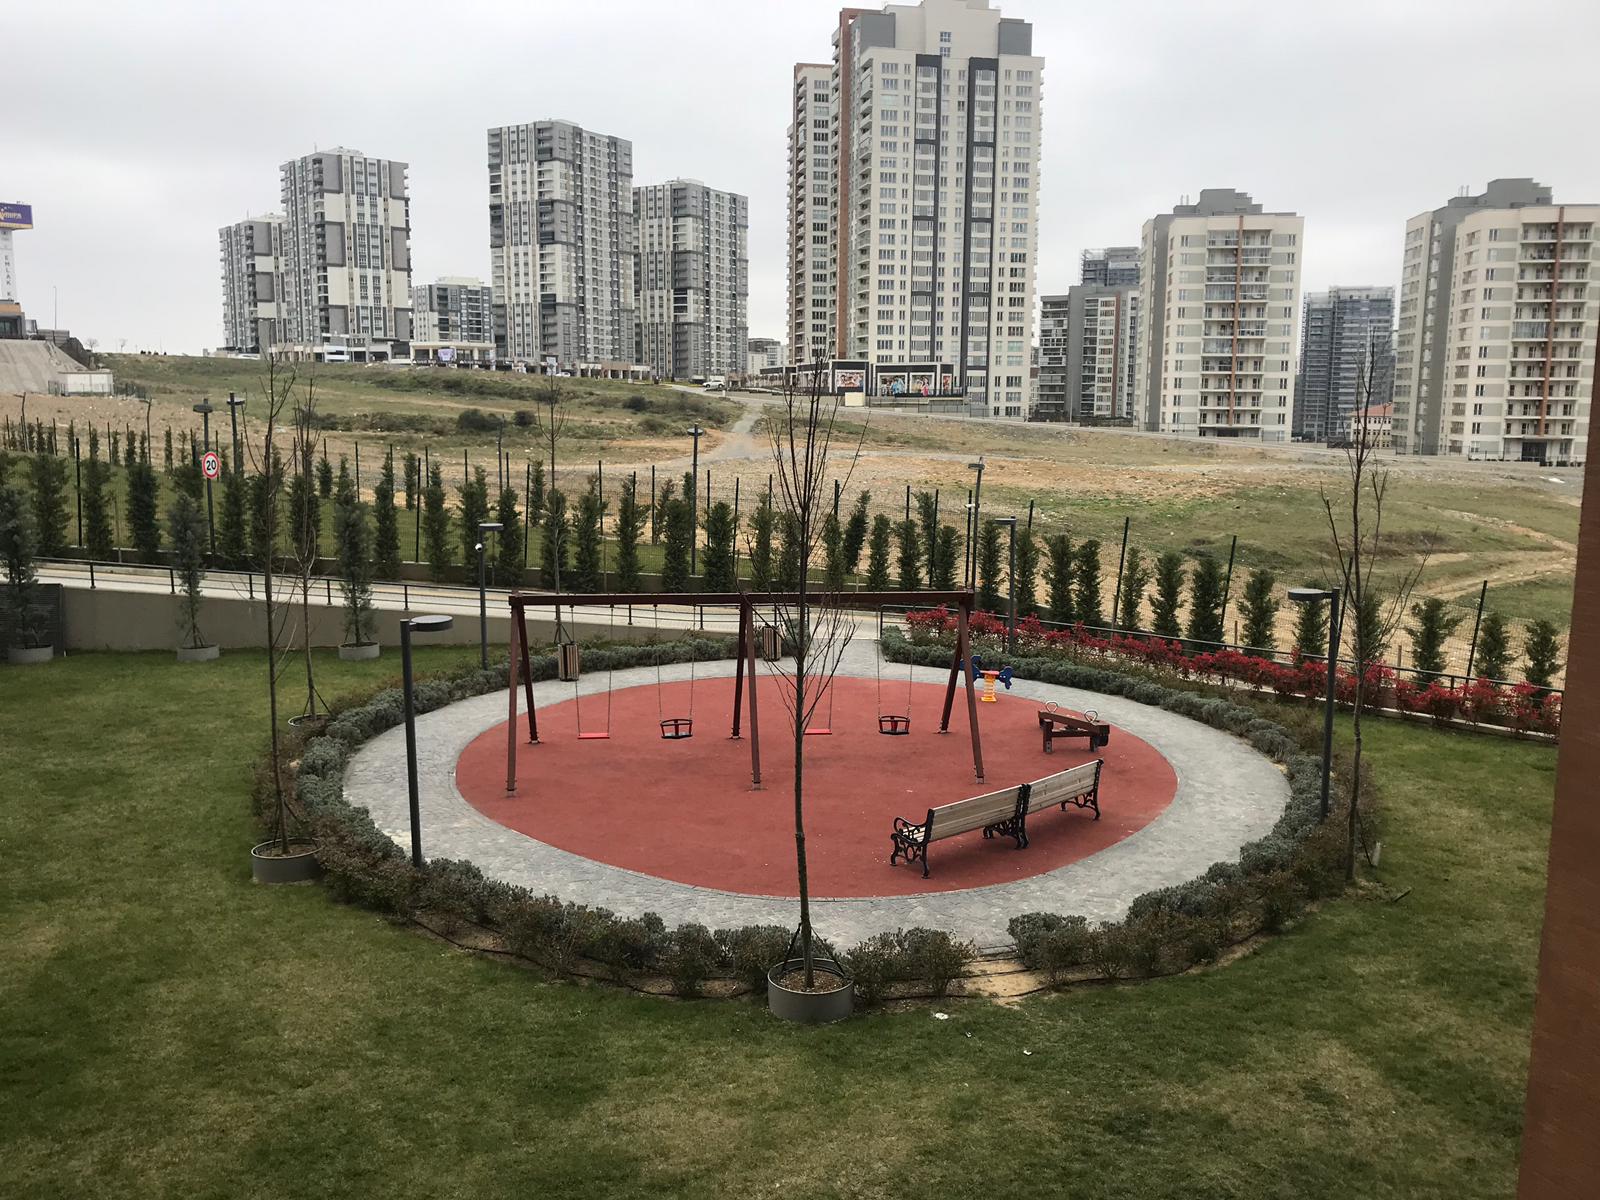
[{"x": 16, "y": 216}]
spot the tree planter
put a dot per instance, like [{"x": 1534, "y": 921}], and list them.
[
  {"x": 197, "y": 654},
  {"x": 361, "y": 652},
  {"x": 309, "y": 724},
  {"x": 25, "y": 656},
  {"x": 298, "y": 866},
  {"x": 811, "y": 1008}
]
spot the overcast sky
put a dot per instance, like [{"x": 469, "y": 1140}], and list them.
[{"x": 136, "y": 131}]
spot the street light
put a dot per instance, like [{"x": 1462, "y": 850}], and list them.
[
  {"x": 205, "y": 410},
  {"x": 696, "y": 433},
  {"x": 1306, "y": 595},
  {"x": 1011, "y": 583},
  {"x": 420, "y": 625},
  {"x": 972, "y": 538},
  {"x": 234, "y": 405},
  {"x": 484, "y": 527}
]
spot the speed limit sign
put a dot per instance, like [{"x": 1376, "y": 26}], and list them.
[{"x": 210, "y": 464}]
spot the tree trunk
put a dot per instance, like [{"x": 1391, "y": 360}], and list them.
[{"x": 801, "y": 652}]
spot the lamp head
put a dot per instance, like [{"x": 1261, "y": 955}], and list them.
[
  {"x": 204, "y": 407},
  {"x": 431, "y": 624},
  {"x": 1309, "y": 595},
  {"x": 490, "y": 526}
]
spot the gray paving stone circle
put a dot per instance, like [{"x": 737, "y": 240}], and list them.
[{"x": 1228, "y": 794}]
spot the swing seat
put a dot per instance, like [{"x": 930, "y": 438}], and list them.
[
  {"x": 594, "y": 737},
  {"x": 894, "y": 726},
  {"x": 819, "y": 731},
  {"x": 676, "y": 728}
]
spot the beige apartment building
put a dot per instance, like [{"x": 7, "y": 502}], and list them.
[
  {"x": 811, "y": 330},
  {"x": 1219, "y": 316},
  {"x": 251, "y": 276},
  {"x": 1496, "y": 333}
]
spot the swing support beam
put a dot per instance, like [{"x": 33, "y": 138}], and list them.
[{"x": 744, "y": 680}]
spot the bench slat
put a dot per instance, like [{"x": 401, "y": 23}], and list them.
[
  {"x": 966, "y": 815},
  {"x": 1062, "y": 786}
]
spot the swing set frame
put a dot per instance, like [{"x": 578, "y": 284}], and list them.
[{"x": 744, "y": 677}]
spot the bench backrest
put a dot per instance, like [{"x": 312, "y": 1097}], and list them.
[
  {"x": 1064, "y": 785},
  {"x": 966, "y": 815}
]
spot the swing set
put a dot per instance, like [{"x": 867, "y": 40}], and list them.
[{"x": 753, "y": 631}]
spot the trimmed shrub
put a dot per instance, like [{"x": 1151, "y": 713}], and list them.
[
  {"x": 691, "y": 957},
  {"x": 750, "y": 950}
]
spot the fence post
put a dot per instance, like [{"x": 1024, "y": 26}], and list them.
[
  {"x": 1227, "y": 583},
  {"x": 250, "y": 583},
  {"x": 91, "y": 574},
  {"x": 1116, "y": 596},
  {"x": 172, "y": 581},
  {"x": 328, "y": 587},
  {"x": 1477, "y": 623}
]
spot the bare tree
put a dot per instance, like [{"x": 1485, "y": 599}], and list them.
[
  {"x": 547, "y": 427},
  {"x": 1378, "y": 601},
  {"x": 305, "y": 519},
  {"x": 802, "y": 434}
]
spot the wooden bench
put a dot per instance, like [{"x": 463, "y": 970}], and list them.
[
  {"x": 1003, "y": 813},
  {"x": 1054, "y": 724}
]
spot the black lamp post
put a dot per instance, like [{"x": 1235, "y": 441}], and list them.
[
  {"x": 205, "y": 410},
  {"x": 972, "y": 535},
  {"x": 234, "y": 405},
  {"x": 420, "y": 625},
  {"x": 484, "y": 528},
  {"x": 693, "y": 497},
  {"x": 1306, "y": 595},
  {"x": 1011, "y": 582}
]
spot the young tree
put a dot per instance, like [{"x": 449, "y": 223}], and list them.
[
  {"x": 233, "y": 528},
  {"x": 989, "y": 568},
  {"x": 386, "y": 524},
  {"x": 549, "y": 419},
  {"x": 928, "y": 520},
  {"x": 556, "y": 546},
  {"x": 436, "y": 525},
  {"x": 1494, "y": 648},
  {"x": 1373, "y": 632},
  {"x": 791, "y": 561},
  {"x": 1086, "y": 604},
  {"x": 508, "y": 542},
  {"x": 944, "y": 569},
  {"x": 878, "y": 553},
  {"x": 355, "y": 569},
  {"x": 266, "y": 487},
  {"x": 908, "y": 561},
  {"x": 536, "y": 498},
  {"x": 1434, "y": 624},
  {"x": 96, "y": 506},
  {"x": 325, "y": 475},
  {"x": 474, "y": 496},
  {"x": 49, "y": 475},
  {"x": 716, "y": 561},
  {"x": 679, "y": 521},
  {"x": 144, "y": 517},
  {"x": 1058, "y": 570},
  {"x": 631, "y": 519},
  {"x": 1205, "y": 603},
  {"x": 186, "y": 530},
  {"x": 413, "y": 474},
  {"x": 1027, "y": 574},
  {"x": 762, "y": 522},
  {"x": 1168, "y": 596},
  {"x": 1311, "y": 631},
  {"x": 586, "y": 568},
  {"x": 855, "y": 533},
  {"x": 305, "y": 515},
  {"x": 167, "y": 454},
  {"x": 1542, "y": 648},
  {"x": 17, "y": 550},
  {"x": 1136, "y": 575},
  {"x": 1260, "y": 608}
]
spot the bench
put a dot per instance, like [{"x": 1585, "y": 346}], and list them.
[
  {"x": 1054, "y": 724},
  {"x": 1003, "y": 813}
]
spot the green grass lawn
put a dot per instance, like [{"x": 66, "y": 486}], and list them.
[{"x": 171, "y": 1029}]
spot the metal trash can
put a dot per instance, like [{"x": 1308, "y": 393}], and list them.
[{"x": 567, "y": 661}]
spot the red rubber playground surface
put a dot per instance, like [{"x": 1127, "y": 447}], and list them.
[{"x": 685, "y": 810}]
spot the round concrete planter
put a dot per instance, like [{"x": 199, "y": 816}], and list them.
[
  {"x": 195, "y": 654},
  {"x": 362, "y": 652},
  {"x": 310, "y": 725},
  {"x": 298, "y": 866},
  {"x": 27, "y": 656},
  {"x": 810, "y": 1008}
]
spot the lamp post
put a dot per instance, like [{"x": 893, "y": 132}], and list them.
[
  {"x": 696, "y": 433},
  {"x": 420, "y": 625},
  {"x": 1011, "y": 582},
  {"x": 484, "y": 528},
  {"x": 1305, "y": 595},
  {"x": 205, "y": 410},
  {"x": 972, "y": 536},
  {"x": 234, "y": 405}
]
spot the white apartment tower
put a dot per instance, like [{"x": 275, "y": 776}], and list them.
[
  {"x": 455, "y": 308},
  {"x": 561, "y": 241},
  {"x": 346, "y": 257},
  {"x": 1102, "y": 344},
  {"x": 811, "y": 170},
  {"x": 1218, "y": 319},
  {"x": 1496, "y": 335},
  {"x": 693, "y": 279},
  {"x": 933, "y": 196},
  {"x": 251, "y": 277}
]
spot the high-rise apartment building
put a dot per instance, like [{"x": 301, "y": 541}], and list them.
[
  {"x": 1102, "y": 348},
  {"x": 561, "y": 241},
  {"x": 1496, "y": 332},
  {"x": 811, "y": 264},
  {"x": 693, "y": 279},
  {"x": 1346, "y": 360},
  {"x": 1219, "y": 306},
  {"x": 1112, "y": 266},
  {"x": 251, "y": 277},
  {"x": 1050, "y": 392},
  {"x": 933, "y": 153},
  {"x": 762, "y": 353},
  {"x": 346, "y": 257},
  {"x": 453, "y": 309}
]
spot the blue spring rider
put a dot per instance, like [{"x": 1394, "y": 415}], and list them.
[{"x": 991, "y": 676}]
